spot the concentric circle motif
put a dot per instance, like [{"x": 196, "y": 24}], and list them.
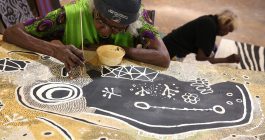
[{"x": 55, "y": 93}]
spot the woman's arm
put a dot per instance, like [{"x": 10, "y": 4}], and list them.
[
  {"x": 32, "y": 35},
  {"x": 156, "y": 53},
  {"x": 200, "y": 56},
  {"x": 67, "y": 54}
]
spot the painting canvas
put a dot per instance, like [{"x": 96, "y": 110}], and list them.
[{"x": 40, "y": 100}]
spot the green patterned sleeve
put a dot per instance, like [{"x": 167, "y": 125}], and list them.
[
  {"x": 50, "y": 27},
  {"x": 147, "y": 29}
]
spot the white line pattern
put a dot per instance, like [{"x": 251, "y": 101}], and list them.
[{"x": 130, "y": 73}]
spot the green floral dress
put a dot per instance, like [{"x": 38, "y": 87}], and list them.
[{"x": 61, "y": 24}]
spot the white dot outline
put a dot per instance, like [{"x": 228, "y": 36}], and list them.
[
  {"x": 219, "y": 112},
  {"x": 245, "y": 77},
  {"x": 229, "y": 94},
  {"x": 247, "y": 83},
  {"x": 147, "y": 106},
  {"x": 239, "y": 100},
  {"x": 229, "y": 103}
]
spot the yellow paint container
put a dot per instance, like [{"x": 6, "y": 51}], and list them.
[{"x": 110, "y": 55}]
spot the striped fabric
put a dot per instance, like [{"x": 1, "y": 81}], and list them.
[
  {"x": 252, "y": 56},
  {"x": 45, "y": 6}
]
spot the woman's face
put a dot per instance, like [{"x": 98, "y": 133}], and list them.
[
  {"x": 106, "y": 27},
  {"x": 225, "y": 29}
]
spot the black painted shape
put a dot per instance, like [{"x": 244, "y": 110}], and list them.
[
  {"x": 1, "y": 105},
  {"x": 158, "y": 119},
  {"x": 58, "y": 127},
  {"x": 60, "y": 94},
  {"x": 2, "y": 61},
  {"x": 22, "y": 64},
  {"x": 105, "y": 71},
  {"x": 8, "y": 68},
  {"x": 47, "y": 133},
  {"x": 12, "y": 65},
  {"x": 245, "y": 77},
  {"x": 64, "y": 72},
  {"x": 94, "y": 74},
  {"x": 45, "y": 57}
]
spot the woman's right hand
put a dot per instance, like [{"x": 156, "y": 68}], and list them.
[
  {"x": 233, "y": 58},
  {"x": 69, "y": 55}
]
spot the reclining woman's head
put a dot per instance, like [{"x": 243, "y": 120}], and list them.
[
  {"x": 115, "y": 16},
  {"x": 227, "y": 21}
]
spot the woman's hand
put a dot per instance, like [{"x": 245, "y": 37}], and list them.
[
  {"x": 68, "y": 54},
  {"x": 233, "y": 58}
]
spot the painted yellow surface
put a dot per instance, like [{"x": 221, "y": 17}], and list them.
[{"x": 26, "y": 121}]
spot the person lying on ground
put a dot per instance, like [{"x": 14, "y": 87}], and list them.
[{"x": 198, "y": 36}]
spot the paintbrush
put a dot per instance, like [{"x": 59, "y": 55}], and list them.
[{"x": 82, "y": 68}]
